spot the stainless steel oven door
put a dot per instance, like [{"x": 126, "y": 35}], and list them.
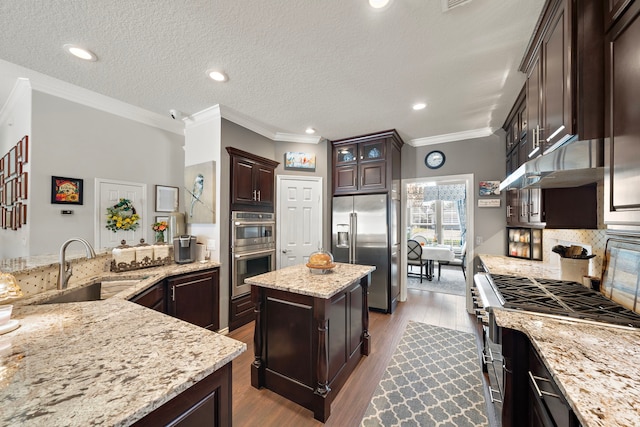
[{"x": 249, "y": 264}]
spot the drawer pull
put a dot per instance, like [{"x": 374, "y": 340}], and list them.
[{"x": 541, "y": 392}]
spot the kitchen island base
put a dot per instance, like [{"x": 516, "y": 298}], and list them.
[{"x": 306, "y": 346}]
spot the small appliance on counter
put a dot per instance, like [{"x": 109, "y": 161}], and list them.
[{"x": 184, "y": 249}]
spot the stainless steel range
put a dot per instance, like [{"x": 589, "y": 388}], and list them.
[{"x": 617, "y": 302}]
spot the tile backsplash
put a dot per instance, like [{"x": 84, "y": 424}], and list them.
[{"x": 593, "y": 240}]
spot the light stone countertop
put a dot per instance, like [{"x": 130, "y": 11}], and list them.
[
  {"x": 596, "y": 366},
  {"x": 497, "y": 264},
  {"x": 298, "y": 279},
  {"x": 105, "y": 362}
]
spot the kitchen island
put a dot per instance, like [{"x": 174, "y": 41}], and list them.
[
  {"x": 113, "y": 362},
  {"x": 310, "y": 332}
]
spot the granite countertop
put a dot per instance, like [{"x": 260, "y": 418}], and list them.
[
  {"x": 300, "y": 280},
  {"x": 127, "y": 284},
  {"x": 497, "y": 264},
  {"x": 597, "y": 367},
  {"x": 106, "y": 362}
]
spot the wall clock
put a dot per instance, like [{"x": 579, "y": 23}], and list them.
[{"x": 434, "y": 159}]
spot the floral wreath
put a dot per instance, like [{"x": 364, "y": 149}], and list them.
[{"x": 122, "y": 216}]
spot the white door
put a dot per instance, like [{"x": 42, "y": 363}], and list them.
[
  {"x": 299, "y": 219},
  {"x": 109, "y": 193}
]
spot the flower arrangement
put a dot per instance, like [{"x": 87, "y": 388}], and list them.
[
  {"x": 159, "y": 226},
  {"x": 122, "y": 216}
]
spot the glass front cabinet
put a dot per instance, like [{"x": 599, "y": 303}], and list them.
[{"x": 524, "y": 243}]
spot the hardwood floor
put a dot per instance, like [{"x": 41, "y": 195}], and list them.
[{"x": 262, "y": 407}]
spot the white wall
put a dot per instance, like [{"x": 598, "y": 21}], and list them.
[
  {"x": 15, "y": 122},
  {"x": 72, "y": 140},
  {"x": 485, "y": 159}
]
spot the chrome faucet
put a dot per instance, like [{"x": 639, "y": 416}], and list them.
[{"x": 65, "y": 271}]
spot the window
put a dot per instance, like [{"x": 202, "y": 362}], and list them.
[{"x": 437, "y": 221}]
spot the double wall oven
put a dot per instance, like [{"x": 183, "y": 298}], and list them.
[
  {"x": 253, "y": 248},
  {"x": 617, "y": 302}
]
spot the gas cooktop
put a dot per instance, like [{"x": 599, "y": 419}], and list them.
[{"x": 560, "y": 297}]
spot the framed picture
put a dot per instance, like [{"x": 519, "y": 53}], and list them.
[
  {"x": 66, "y": 191},
  {"x": 488, "y": 203},
  {"x": 489, "y": 188},
  {"x": 300, "y": 161},
  {"x": 22, "y": 185},
  {"x": 23, "y": 149},
  {"x": 166, "y": 198}
]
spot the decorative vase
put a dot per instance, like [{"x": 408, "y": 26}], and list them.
[{"x": 159, "y": 236}]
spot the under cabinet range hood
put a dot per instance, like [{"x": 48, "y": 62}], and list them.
[{"x": 573, "y": 164}]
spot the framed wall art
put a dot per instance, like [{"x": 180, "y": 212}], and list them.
[
  {"x": 66, "y": 191},
  {"x": 300, "y": 161},
  {"x": 489, "y": 188},
  {"x": 166, "y": 198}
]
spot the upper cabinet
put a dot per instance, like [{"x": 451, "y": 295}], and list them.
[
  {"x": 516, "y": 131},
  {"x": 563, "y": 64},
  {"x": 252, "y": 181},
  {"x": 622, "y": 154},
  {"x": 365, "y": 164}
]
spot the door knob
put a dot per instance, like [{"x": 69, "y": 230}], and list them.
[{"x": 285, "y": 251}]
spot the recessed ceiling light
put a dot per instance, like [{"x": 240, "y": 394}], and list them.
[
  {"x": 217, "y": 76},
  {"x": 80, "y": 52},
  {"x": 378, "y": 4},
  {"x": 419, "y": 106},
  {"x": 310, "y": 131}
]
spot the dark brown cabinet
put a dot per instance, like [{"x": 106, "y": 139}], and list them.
[
  {"x": 153, "y": 298},
  {"x": 252, "y": 181},
  {"x": 516, "y": 132},
  {"x": 547, "y": 406},
  {"x": 240, "y": 311},
  {"x": 622, "y": 154},
  {"x": 194, "y": 298},
  {"x": 531, "y": 397},
  {"x": 525, "y": 206},
  {"x": 364, "y": 164},
  {"x": 207, "y": 403},
  {"x": 564, "y": 65}
]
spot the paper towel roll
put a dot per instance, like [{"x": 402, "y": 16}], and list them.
[{"x": 201, "y": 251}]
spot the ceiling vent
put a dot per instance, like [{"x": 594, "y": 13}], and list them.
[{"x": 447, "y": 5}]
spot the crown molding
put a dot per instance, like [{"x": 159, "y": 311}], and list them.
[
  {"x": 292, "y": 137},
  {"x": 211, "y": 113},
  {"x": 61, "y": 89},
  {"x": 264, "y": 130},
  {"x": 450, "y": 137},
  {"x": 21, "y": 87}
]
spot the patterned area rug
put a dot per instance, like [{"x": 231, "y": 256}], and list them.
[
  {"x": 451, "y": 281},
  {"x": 433, "y": 379}
]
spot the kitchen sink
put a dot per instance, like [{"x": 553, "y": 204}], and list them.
[{"x": 91, "y": 292}]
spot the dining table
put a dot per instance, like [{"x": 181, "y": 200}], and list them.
[{"x": 431, "y": 253}]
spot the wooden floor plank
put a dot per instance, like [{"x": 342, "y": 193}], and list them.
[{"x": 262, "y": 407}]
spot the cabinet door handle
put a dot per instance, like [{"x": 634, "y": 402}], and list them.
[
  {"x": 259, "y": 198},
  {"x": 541, "y": 392},
  {"x": 173, "y": 293},
  {"x": 509, "y": 211},
  {"x": 531, "y": 209}
]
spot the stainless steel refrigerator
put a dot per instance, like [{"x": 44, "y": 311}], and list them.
[{"x": 363, "y": 232}]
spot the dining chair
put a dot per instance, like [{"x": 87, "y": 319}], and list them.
[
  {"x": 459, "y": 260},
  {"x": 420, "y": 239},
  {"x": 414, "y": 258}
]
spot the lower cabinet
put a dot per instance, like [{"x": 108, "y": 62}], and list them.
[
  {"x": 206, "y": 403},
  {"x": 241, "y": 311},
  {"x": 192, "y": 297},
  {"x": 531, "y": 396},
  {"x": 152, "y": 298}
]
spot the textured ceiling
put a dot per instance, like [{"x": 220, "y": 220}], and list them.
[{"x": 336, "y": 65}]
